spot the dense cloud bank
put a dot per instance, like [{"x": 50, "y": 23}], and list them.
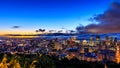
[{"x": 109, "y": 21}]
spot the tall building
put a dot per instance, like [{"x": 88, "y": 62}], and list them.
[
  {"x": 98, "y": 40},
  {"x": 91, "y": 42}
]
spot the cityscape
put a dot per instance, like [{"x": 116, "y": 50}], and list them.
[{"x": 60, "y": 34}]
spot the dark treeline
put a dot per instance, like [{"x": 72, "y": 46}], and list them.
[{"x": 47, "y": 61}]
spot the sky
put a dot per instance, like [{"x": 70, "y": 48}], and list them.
[{"x": 31, "y": 15}]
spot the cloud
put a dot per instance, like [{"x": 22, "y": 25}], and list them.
[
  {"x": 15, "y": 27},
  {"x": 109, "y": 21}
]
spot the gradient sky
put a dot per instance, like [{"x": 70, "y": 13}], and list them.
[{"x": 48, "y": 14}]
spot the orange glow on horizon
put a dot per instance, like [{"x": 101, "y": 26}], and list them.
[
  {"x": 22, "y": 36},
  {"x": 20, "y": 32},
  {"x": 3, "y": 33}
]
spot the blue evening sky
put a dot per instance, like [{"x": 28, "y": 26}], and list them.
[{"x": 48, "y": 14}]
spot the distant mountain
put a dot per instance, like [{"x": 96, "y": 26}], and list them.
[{"x": 64, "y": 35}]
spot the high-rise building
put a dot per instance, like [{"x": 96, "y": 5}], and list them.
[
  {"x": 97, "y": 40},
  {"x": 91, "y": 42}
]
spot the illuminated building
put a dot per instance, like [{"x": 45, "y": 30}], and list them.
[
  {"x": 84, "y": 42},
  {"x": 97, "y": 40},
  {"x": 91, "y": 42},
  {"x": 107, "y": 40},
  {"x": 117, "y": 54},
  {"x": 99, "y": 57}
]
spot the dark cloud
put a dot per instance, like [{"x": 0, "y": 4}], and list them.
[
  {"x": 109, "y": 21},
  {"x": 15, "y": 27}
]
